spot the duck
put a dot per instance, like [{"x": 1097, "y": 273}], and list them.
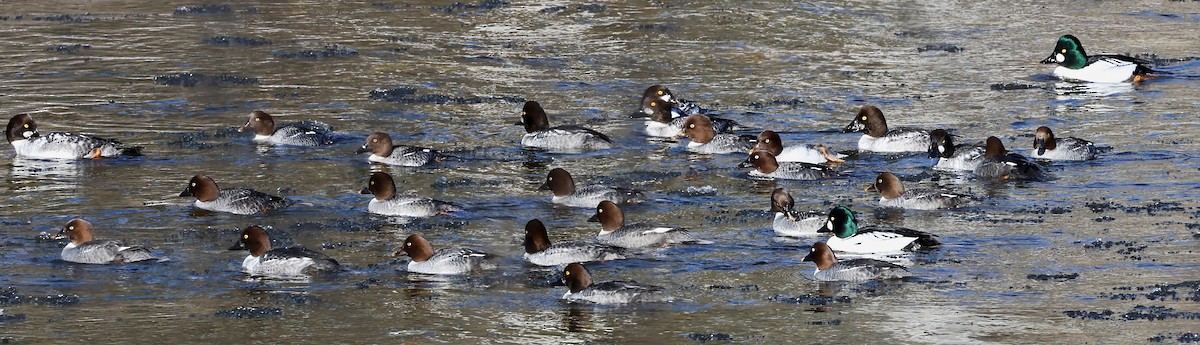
[
  {"x": 307, "y": 133},
  {"x": 83, "y": 248},
  {"x": 445, "y": 261},
  {"x": 830, "y": 269},
  {"x": 280, "y": 262},
  {"x": 1075, "y": 65},
  {"x": 665, "y": 121},
  {"x": 951, "y": 157},
  {"x": 539, "y": 251},
  {"x": 677, "y": 107},
  {"x": 566, "y": 193},
  {"x": 765, "y": 166},
  {"x": 382, "y": 150},
  {"x": 1000, "y": 164},
  {"x": 233, "y": 200},
  {"x": 614, "y": 231},
  {"x": 580, "y": 288},
  {"x": 850, "y": 238},
  {"x": 387, "y": 202},
  {"x": 704, "y": 138},
  {"x": 878, "y": 138},
  {"x": 1047, "y": 146},
  {"x": 893, "y": 194},
  {"x": 769, "y": 141},
  {"x": 22, "y": 133},
  {"x": 790, "y": 223},
  {"x": 539, "y": 134}
]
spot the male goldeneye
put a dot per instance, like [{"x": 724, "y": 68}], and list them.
[
  {"x": 769, "y": 141},
  {"x": 951, "y": 157},
  {"x": 998, "y": 163},
  {"x": 849, "y": 237},
  {"x": 387, "y": 202},
  {"x": 614, "y": 231},
  {"x": 580, "y": 288},
  {"x": 539, "y": 251},
  {"x": 893, "y": 194},
  {"x": 85, "y": 249},
  {"x": 443, "y": 261},
  {"x": 704, "y": 138},
  {"x": 565, "y": 191},
  {"x": 830, "y": 269},
  {"x": 878, "y": 138},
  {"x": 1075, "y": 64},
  {"x": 678, "y": 107},
  {"x": 1047, "y": 146},
  {"x": 665, "y": 120},
  {"x": 232, "y": 200},
  {"x": 290, "y": 261},
  {"x": 790, "y": 223},
  {"x": 22, "y": 133},
  {"x": 765, "y": 166},
  {"x": 539, "y": 134},
  {"x": 382, "y": 150},
  {"x": 306, "y": 133}
]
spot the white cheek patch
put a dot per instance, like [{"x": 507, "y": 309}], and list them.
[
  {"x": 648, "y": 111},
  {"x": 666, "y": 98},
  {"x": 1059, "y": 57},
  {"x": 941, "y": 149},
  {"x": 829, "y": 224},
  {"x": 27, "y": 134}
]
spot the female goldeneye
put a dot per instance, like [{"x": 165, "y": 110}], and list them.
[
  {"x": 829, "y": 269},
  {"x": 893, "y": 194},
  {"x": 22, "y": 133},
  {"x": 1075, "y": 64},
  {"x": 382, "y": 150},
  {"x": 539, "y": 134},
  {"x": 567, "y": 193},
  {"x": 850, "y": 238},
  {"x": 386, "y": 202},
  {"x": 614, "y": 232},
  {"x": 1046, "y": 146},
  {"x": 769, "y": 141},
  {"x": 232, "y": 200},
  {"x": 998, "y": 163},
  {"x": 704, "y": 138},
  {"x": 951, "y": 157},
  {"x": 307, "y": 133},
  {"x": 539, "y": 251},
  {"x": 878, "y": 138},
  {"x": 290, "y": 261},
  {"x": 765, "y": 166},
  {"x": 85, "y": 249},
  {"x": 443, "y": 261},
  {"x": 790, "y": 223},
  {"x": 580, "y": 288}
]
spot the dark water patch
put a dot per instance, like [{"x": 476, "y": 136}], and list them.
[
  {"x": 833, "y": 322},
  {"x": 390, "y": 6},
  {"x": 793, "y": 103},
  {"x": 197, "y": 79},
  {"x": 810, "y": 299},
  {"x": 6, "y": 318},
  {"x": 1059, "y": 277},
  {"x": 249, "y": 312},
  {"x": 693, "y": 191},
  {"x": 68, "y": 48},
  {"x": 1013, "y": 86},
  {"x": 743, "y": 288},
  {"x": 591, "y": 8},
  {"x": 946, "y": 47},
  {"x": 344, "y": 224},
  {"x": 656, "y": 27},
  {"x": 295, "y": 298},
  {"x": 408, "y": 95},
  {"x": 1089, "y": 315},
  {"x": 235, "y": 41},
  {"x": 481, "y": 6},
  {"x": 1187, "y": 17},
  {"x": 333, "y": 51},
  {"x": 487, "y": 59},
  {"x": 1186, "y": 291},
  {"x": 1165, "y": 61},
  {"x": 707, "y": 337},
  {"x": 552, "y": 63},
  {"x": 1104, "y": 219},
  {"x": 11, "y": 296},
  {"x": 65, "y": 18},
  {"x": 1152, "y": 313},
  {"x": 1126, "y": 248},
  {"x": 209, "y": 9},
  {"x": 1149, "y": 209},
  {"x": 1184, "y": 338}
]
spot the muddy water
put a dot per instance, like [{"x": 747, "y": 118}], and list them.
[{"x": 1088, "y": 257}]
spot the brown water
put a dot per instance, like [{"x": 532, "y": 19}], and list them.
[{"x": 115, "y": 68}]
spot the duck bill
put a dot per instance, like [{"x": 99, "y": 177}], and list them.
[
  {"x": 365, "y": 190},
  {"x": 678, "y": 135},
  {"x": 363, "y": 149},
  {"x": 854, "y": 126},
  {"x": 871, "y": 188},
  {"x": 1040, "y": 145},
  {"x": 595, "y": 218},
  {"x": 186, "y": 192},
  {"x": 638, "y": 114},
  {"x": 791, "y": 215},
  {"x": 237, "y": 246},
  {"x": 1050, "y": 59},
  {"x": 244, "y": 128},
  {"x": 825, "y": 228},
  {"x": 808, "y": 257},
  {"x": 746, "y": 164},
  {"x": 544, "y": 186}
]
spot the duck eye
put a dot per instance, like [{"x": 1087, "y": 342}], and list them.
[
  {"x": 879, "y": 181},
  {"x": 1064, "y": 50},
  {"x": 768, "y": 141},
  {"x": 864, "y": 118},
  {"x": 245, "y": 237},
  {"x": 943, "y": 141},
  {"x": 653, "y": 104},
  {"x": 692, "y": 126},
  {"x": 408, "y": 244},
  {"x": 522, "y": 113},
  {"x": 374, "y": 140},
  {"x": 257, "y": 119},
  {"x": 71, "y": 227},
  {"x": 548, "y": 179},
  {"x": 568, "y": 273},
  {"x": 26, "y": 125},
  {"x": 600, "y": 210},
  {"x": 660, "y": 92},
  {"x": 755, "y": 156},
  {"x": 193, "y": 184}
]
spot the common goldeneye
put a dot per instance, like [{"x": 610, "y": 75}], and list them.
[
  {"x": 893, "y": 194},
  {"x": 678, "y": 107},
  {"x": 704, "y": 138},
  {"x": 1075, "y": 65},
  {"x": 539, "y": 251},
  {"x": 829, "y": 269},
  {"x": 665, "y": 122},
  {"x": 565, "y": 191},
  {"x": 85, "y": 249},
  {"x": 765, "y": 166},
  {"x": 232, "y": 200},
  {"x": 998, "y": 163},
  {"x": 1046, "y": 146},
  {"x": 614, "y": 232},
  {"x": 446, "y": 261},
  {"x": 878, "y": 138},
  {"x": 23, "y": 134},
  {"x": 951, "y": 157},
  {"x": 386, "y": 202},
  {"x": 382, "y": 150},
  {"x": 769, "y": 141},
  {"x": 790, "y": 223},
  {"x": 306, "y": 133},
  {"x": 290, "y": 261},
  {"x": 539, "y": 134},
  {"x": 850, "y": 238},
  {"x": 580, "y": 288}
]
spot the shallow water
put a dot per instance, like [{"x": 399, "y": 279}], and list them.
[{"x": 1077, "y": 259}]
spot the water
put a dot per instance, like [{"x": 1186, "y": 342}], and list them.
[{"x": 180, "y": 80}]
